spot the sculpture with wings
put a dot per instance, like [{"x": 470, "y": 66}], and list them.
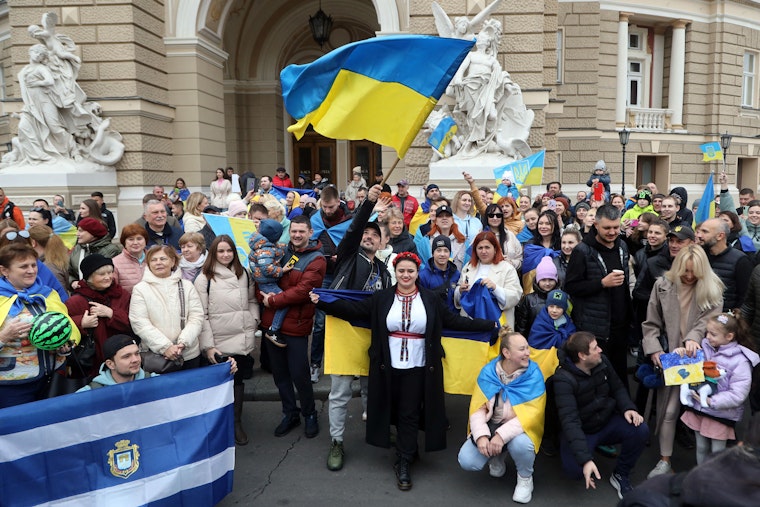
[{"x": 462, "y": 27}]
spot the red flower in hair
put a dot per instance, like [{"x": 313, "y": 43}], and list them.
[{"x": 407, "y": 256}]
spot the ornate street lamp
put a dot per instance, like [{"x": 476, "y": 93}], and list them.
[
  {"x": 320, "y": 24},
  {"x": 725, "y": 142},
  {"x": 624, "y": 135}
]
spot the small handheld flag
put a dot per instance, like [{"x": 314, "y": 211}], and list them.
[
  {"x": 706, "y": 208},
  {"x": 711, "y": 151},
  {"x": 442, "y": 134}
]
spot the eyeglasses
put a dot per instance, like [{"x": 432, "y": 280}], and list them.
[
  {"x": 495, "y": 215},
  {"x": 12, "y": 235}
]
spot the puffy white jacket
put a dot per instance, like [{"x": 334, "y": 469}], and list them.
[
  {"x": 231, "y": 311},
  {"x": 154, "y": 312}
]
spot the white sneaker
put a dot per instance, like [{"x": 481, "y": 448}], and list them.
[
  {"x": 314, "y": 373},
  {"x": 496, "y": 466},
  {"x": 662, "y": 467},
  {"x": 364, "y": 416},
  {"x": 523, "y": 489},
  {"x": 258, "y": 333}
]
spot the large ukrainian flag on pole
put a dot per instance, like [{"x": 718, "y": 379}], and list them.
[
  {"x": 381, "y": 89},
  {"x": 527, "y": 171},
  {"x": 347, "y": 343}
]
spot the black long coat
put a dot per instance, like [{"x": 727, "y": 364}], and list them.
[{"x": 379, "y": 407}]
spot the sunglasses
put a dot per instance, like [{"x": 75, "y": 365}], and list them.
[
  {"x": 37, "y": 209},
  {"x": 12, "y": 235},
  {"x": 495, "y": 215}
]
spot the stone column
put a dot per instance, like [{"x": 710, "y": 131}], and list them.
[
  {"x": 622, "y": 70},
  {"x": 677, "y": 59}
]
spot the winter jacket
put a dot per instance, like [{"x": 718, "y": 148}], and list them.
[
  {"x": 751, "y": 306},
  {"x": 508, "y": 191},
  {"x": 409, "y": 208},
  {"x": 113, "y": 297},
  {"x": 684, "y": 214},
  {"x": 528, "y": 308},
  {"x": 155, "y": 314},
  {"x": 265, "y": 259},
  {"x": 282, "y": 182},
  {"x": 170, "y": 236},
  {"x": 637, "y": 264},
  {"x": 560, "y": 262},
  {"x": 442, "y": 282},
  {"x": 296, "y": 285},
  {"x": 604, "y": 179},
  {"x": 127, "y": 270},
  {"x": 193, "y": 223},
  {"x": 353, "y": 187},
  {"x": 230, "y": 311},
  {"x": 13, "y": 212},
  {"x": 593, "y": 304},
  {"x": 586, "y": 402},
  {"x": 507, "y": 282},
  {"x": 404, "y": 242},
  {"x": 734, "y": 269},
  {"x": 753, "y": 231},
  {"x": 103, "y": 246}
]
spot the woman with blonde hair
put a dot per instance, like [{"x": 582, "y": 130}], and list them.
[
  {"x": 193, "y": 218},
  {"x": 276, "y": 211},
  {"x": 512, "y": 219},
  {"x": 51, "y": 251},
  {"x": 464, "y": 214},
  {"x": 682, "y": 302}
]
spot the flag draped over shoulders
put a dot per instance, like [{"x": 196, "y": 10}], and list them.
[
  {"x": 381, "y": 89},
  {"x": 544, "y": 340},
  {"x": 526, "y": 394}
]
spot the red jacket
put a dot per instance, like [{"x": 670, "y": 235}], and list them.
[
  {"x": 296, "y": 285},
  {"x": 282, "y": 182},
  {"x": 115, "y": 298},
  {"x": 17, "y": 215},
  {"x": 410, "y": 207}
]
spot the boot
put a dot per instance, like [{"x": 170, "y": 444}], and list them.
[{"x": 240, "y": 437}]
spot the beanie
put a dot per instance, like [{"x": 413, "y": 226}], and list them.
[
  {"x": 645, "y": 194},
  {"x": 600, "y": 165},
  {"x": 270, "y": 229},
  {"x": 115, "y": 343},
  {"x": 546, "y": 269},
  {"x": 557, "y": 298},
  {"x": 441, "y": 241},
  {"x": 236, "y": 207},
  {"x": 92, "y": 263},
  {"x": 93, "y": 226}
]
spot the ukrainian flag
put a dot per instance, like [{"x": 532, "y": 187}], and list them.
[
  {"x": 347, "y": 343},
  {"x": 526, "y": 394},
  {"x": 711, "y": 151},
  {"x": 381, "y": 89},
  {"x": 706, "y": 208},
  {"x": 239, "y": 229},
  {"x": 442, "y": 134},
  {"x": 527, "y": 171}
]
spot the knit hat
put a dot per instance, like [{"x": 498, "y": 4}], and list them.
[
  {"x": 557, "y": 298},
  {"x": 431, "y": 187},
  {"x": 270, "y": 229},
  {"x": 645, "y": 194},
  {"x": 93, "y": 226},
  {"x": 92, "y": 263},
  {"x": 546, "y": 269},
  {"x": 115, "y": 343},
  {"x": 582, "y": 205},
  {"x": 236, "y": 207},
  {"x": 357, "y": 169},
  {"x": 600, "y": 165},
  {"x": 441, "y": 241}
]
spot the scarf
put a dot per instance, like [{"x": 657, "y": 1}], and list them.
[{"x": 36, "y": 294}]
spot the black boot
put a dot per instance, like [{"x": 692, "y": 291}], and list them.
[
  {"x": 403, "y": 471},
  {"x": 240, "y": 437}
]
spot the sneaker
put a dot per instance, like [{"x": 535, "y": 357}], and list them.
[
  {"x": 523, "y": 489},
  {"x": 258, "y": 333},
  {"x": 364, "y": 416},
  {"x": 403, "y": 474},
  {"x": 621, "y": 483},
  {"x": 288, "y": 423},
  {"x": 276, "y": 340},
  {"x": 314, "y": 373},
  {"x": 335, "y": 457},
  {"x": 662, "y": 467},
  {"x": 312, "y": 426},
  {"x": 496, "y": 466}
]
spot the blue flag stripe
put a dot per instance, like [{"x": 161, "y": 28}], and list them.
[
  {"x": 81, "y": 405},
  {"x": 157, "y": 449},
  {"x": 208, "y": 494}
]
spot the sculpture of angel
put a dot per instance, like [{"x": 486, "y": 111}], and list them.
[{"x": 461, "y": 27}]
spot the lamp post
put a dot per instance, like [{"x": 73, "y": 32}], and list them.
[
  {"x": 320, "y": 24},
  {"x": 624, "y": 134},
  {"x": 725, "y": 142}
]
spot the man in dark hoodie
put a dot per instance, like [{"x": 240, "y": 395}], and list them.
[
  {"x": 682, "y": 198},
  {"x": 440, "y": 274},
  {"x": 597, "y": 281}
]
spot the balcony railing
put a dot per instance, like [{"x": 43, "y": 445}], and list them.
[{"x": 649, "y": 120}]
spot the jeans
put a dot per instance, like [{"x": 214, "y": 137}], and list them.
[
  {"x": 340, "y": 395},
  {"x": 279, "y": 315},
  {"x": 520, "y": 448},
  {"x": 290, "y": 366},
  {"x": 318, "y": 333},
  {"x": 616, "y": 431}
]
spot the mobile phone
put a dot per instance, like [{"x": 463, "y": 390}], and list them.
[
  {"x": 292, "y": 261},
  {"x": 598, "y": 191},
  {"x": 220, "y": 358},
  {"x": 552, "y": 205},
  {"x": 635, "y": 223}
]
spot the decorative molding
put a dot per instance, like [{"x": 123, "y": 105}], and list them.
[
  {"x": 195, "y": 47},
  {"x": 232, "y": 86}
]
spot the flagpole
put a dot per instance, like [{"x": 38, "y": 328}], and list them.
[{"x": 385, "y": 179}]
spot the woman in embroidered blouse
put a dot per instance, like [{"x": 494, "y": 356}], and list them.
[{"x": 405, "y": 369}]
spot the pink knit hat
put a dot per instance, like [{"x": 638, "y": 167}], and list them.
[{"x": 546, "y": 269}]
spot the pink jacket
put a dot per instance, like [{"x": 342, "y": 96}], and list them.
[
  {"x": 127, "y": 271},
  {"x": 507, "y": 431}
]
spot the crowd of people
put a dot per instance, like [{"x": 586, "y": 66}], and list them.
[{"x": 572, "y": 290}]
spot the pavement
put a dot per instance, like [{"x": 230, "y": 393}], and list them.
[{"x": 291, "y": 470}]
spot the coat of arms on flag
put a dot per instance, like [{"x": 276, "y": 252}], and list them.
[{"x": 124, "y": 460}]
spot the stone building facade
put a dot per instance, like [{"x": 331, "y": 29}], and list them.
[{"x": 193, "y": 85}]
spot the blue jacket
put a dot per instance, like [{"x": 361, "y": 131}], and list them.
[{"x": 440, "y": 281}]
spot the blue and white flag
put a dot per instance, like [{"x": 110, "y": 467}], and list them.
[{"x": 164, "y": 441}]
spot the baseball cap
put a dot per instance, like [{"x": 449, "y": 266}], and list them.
[
  {"x": 374, "y": 227},
  {"x": 403, "y": 183},
  {"x": 443, "y": 209},
  {"x": 682, "y": 232},
  {"x": 115, "y": 343}
]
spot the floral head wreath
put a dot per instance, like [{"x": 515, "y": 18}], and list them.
[{"x": 407, "y": 256}]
